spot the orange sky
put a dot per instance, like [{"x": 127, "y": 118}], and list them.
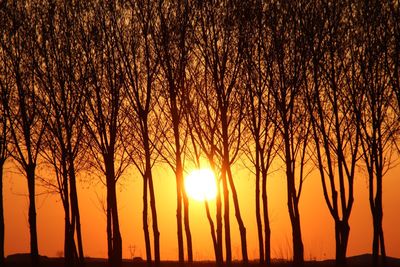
[{"x": 317, "y": 225}]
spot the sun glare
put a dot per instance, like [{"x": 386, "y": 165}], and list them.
[{"x": 201, "y": 185}]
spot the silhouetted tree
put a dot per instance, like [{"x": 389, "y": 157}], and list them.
[
  {"x": 201, "y": 110},
  {"x": 379, "y": 123},
  {"x": 195, "y": 154},
  {"x": 61, "y": 75},
  {"x": 105, "y": 122},
  {"x": 331, "y": 99},
  {"x": 172, "y": 43},
  {"x": 141, "y": 69},
  {"x": 285, "y": 78},
  {"x": 260, "y": 117},
  {"x": 27, "y": 126},
  {"x": 221, "y": 78},
  {"x": 219, "y": 47}
]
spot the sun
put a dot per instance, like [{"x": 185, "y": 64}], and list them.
[{"x": 201, "y": 185}]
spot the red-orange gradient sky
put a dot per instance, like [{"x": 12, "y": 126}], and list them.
[{"x": 317, "y": 225}]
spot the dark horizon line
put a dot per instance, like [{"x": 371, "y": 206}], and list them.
[{"x": 20, "y": 256}]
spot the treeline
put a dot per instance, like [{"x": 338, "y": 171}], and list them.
[{"x": 105, "y": 85}]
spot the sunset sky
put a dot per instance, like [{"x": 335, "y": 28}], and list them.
[
  {"x": 106, "y": 107},
  {"x": 317, "y": 224}
]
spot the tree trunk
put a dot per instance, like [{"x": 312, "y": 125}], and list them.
[
  {"x": 156, "y": 233},
  {"x": 228, "y": 248},
  {"x": 227, "y": 174},
  {"x": 178, "y": 174},
  {"x": 267, "y": 229},
  {"x": 212, "y": 229},
  {"x": 1, "y": 214},
  {"x": 375, "y": 244},
  {"x": 258, "y": 210},
  {"x": 382, "y": 240},
  {"x": 293, "y": 208},
  {"x": 76, "y": 221},
  {"x": 224, "y": 174},
  {"x": 109, "y": 232},
  {"x": 68, "y": 232},
  {"x": 117, "y": 242},
  {"x": 145, "y": 218},
  {"x": 179, "y": 216},
  {"x": 30, "y": 172},
  {"x": 377, "y": 210},
  {"x": 75, "y": 215},
  {"x": 342, "y": 230},
  {"x": 242, "y": 228},
  {"x": 187, "y": 226},
  {"x": 114, "y": 235},
  {"x": 69, "y": 242},
  {"x": 149, "y": 178},
  {"x": 182, "y": 199},
  {"x": 219, "y": 226},
  {"x": 378, "y": 237},
  {"x": 298, "y": 250}
]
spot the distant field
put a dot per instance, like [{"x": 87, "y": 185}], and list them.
[{"x": 22, "y": 260}]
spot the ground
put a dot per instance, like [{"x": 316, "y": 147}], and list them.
[{"x": 22, "y": 260}]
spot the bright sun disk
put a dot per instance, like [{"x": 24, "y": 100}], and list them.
[{"x": 200, "y": 185}]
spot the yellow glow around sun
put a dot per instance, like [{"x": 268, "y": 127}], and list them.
[{"x": 201, "y": 185}]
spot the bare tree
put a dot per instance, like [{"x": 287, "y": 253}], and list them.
[
  {"x": 261, "y": 114},
  {"x": 23, "y": 108},
  {"x": 219, "y": 46},
  {"x": 200, "y": 115},
  {"x": 332, "y": 99},
  {"x": 141, "y": 69},
  {"x": 60, "y": 76},
  {"x": 105, "y": 122},
  {"x": 201, "y": 111},
  {"x": 285, "y": 77},
  {"x": 379, "y": 123},
  {"x": 196, "y": 153},
  {"x": 172, "y": 43}
]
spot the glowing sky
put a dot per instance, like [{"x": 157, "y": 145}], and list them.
[{"x": 317, "y": 225}]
